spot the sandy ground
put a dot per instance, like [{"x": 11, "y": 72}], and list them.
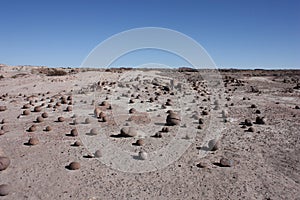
[{"x": 265, "y": 162}]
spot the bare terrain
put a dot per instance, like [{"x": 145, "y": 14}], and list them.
[{"x": 149, "y": 134}]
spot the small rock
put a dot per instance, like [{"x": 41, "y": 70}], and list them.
[
  {"x": 77, "y": 143},
  {"x": 74, "y": 132},
  {"x": 132, "y": 110},
  {"x": 224, "y": 162},
  {"x": 87, "y": 121},
  {"x": 94, "y": 131},
  {"x": 202, "y": 165},
  {"x": 75, "y": 121},
  {"x": 104, "y": 119},
  {"x": 260, "y": 120},
  {"x": 74, "y": 166},
  {"x": 248, "y": 122},
  {"x": 143, "y": 155},
  {"x": 165, "y": 129},
  {"x": 39, "y": 119},
  {"x": 33, "y": 141},
  {"x": 224, "y": 113},
  {"x": 3, "y": 108},
  {"x": 32, "y": 128},
  {"x": 140, "y": 142},
  {"x": 69, "y": 108},
  {"x": 4, "y": 163},
  {"x": 4, "y": 189},
  {"x": 101, "y": 115},
  {"x": 4, "y": 128},
  {"x": 26, "y": 112},
  {"x": 37, "y": 109},
  {"x": 214, "y": 145},
  {"x": 204, "y": 112},
  {"x": 173, "y": 119},
  {"x": 26, "y": 106},
  {"x": 201, "y": 121},
  {"x": 104, "y": 103},
  {"x": 60, "y": 119},
  {"x": 157, "y": 135},
  {"x": 128, "y": 132},
  {"x": 48, "y": 128},
  {"x": 250, "y": 129},
  {"x": 98, "y": 154},
  {"x": 45, "y": 115}
]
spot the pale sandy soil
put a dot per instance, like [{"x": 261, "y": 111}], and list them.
[{"x": 266, "y": 161}]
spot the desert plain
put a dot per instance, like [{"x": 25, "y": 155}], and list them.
[{"x": 84, "y": 133}]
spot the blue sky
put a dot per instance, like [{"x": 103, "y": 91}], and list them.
[{"x": 237, "y": 34}]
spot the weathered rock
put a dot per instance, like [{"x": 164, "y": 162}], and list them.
[
  {"x": 260, "y": 120},
  {"x": 26, "y": 112},
  {"x": 140, "y": 142},
  {"x": 37, "y": 109},
  {"x": 214, "y": 145},
  {"x": 60, "y": 119},
  {"x": 45, "y": 115},
  {"x": 74, "y": 132},
  {"x": 4, "y": 163},
  {"x": 143, "y": 155},
  {"x": 224, "y": 162},
  {"x": 132, "y": 110},
  {"x": 248, "y": 122},
  {"x": 4, "y": 189},
  {"x": 128, "y": 132},
  {"x": 94, "y": 131},
  {"x": 3, "y": 108},
  {"x": 39, "y": 119},
  {"x": 173, "y": 119},
  {"x": 33, "y": 141},
  {"x": 74, "y": 166},
  {"x": 98, "y": 154}
]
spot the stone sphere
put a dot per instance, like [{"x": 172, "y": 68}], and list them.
[
  {"x": 4, "y": 189},
  {"x": 74, "y": 166},
  {"x": 37, "y": 109},
  {"x": 74, "y": 132},
  {"x": 143, "y": 155},
  {"x": 61, "y": 119},
  {"x": 3, "y": 108},
  {"x": 173, "y": 119},
  {"x": 224, "y": 162},
  {"x": 39, "y": 119},
  {"x": 48, "y": 128},
  {"x": 77, "y": 143},
  {"x": 214, "y": 145},
  {"x": 98, "y": 154},
  {"x": 26, "y": 112},
  {"x": 128, "y": 132},
  {"x": 45, "y": 115},
  {"x": 140, "y": 142},
  {"x": 4, "y": 162},
  {"x": 32, "y": 128},
  {"x": 132, "y": 110},
  {"x": 94, "y": 131},
  {"x": 33, "y": 141}
]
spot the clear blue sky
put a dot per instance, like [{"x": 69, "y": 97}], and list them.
[{"x": 243, "y": 33}]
